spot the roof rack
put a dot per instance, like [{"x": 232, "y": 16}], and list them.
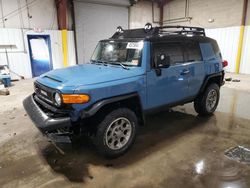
[
  {"x": 183, "y": 30},
  {"x": 150, "y": 31}
]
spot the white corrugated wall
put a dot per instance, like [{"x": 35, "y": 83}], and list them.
[
  {"x": 71, "y": 49},
  {"x": 227, "y": 39},
  {"x": 18, "y": 53}
]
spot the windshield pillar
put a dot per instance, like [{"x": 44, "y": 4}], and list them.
[{"x": 146, "y": 56}]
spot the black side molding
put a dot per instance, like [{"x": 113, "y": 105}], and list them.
[
  {"x": 98, "y": 105},
  {"x": 167, "y": 106}
]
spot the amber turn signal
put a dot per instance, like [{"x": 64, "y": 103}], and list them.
[{"x": 75, "y": 98}]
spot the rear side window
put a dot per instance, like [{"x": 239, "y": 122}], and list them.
[
  {"x": 174, "y": 50},
  {"x": 210, "y": 50},
  {"x": 207, "y": 51},
  {"x": 215, "y": 47},
  {"x": 193, "y": 52}
]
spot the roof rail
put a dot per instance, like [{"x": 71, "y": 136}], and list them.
[{"x": 150, "y": 31}]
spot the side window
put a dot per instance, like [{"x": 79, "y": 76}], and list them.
[
  {"x": 207, "y": 51},
  {"x": 173, "y": 50},
  {"x": 216, "y": 49},
  {"x": 193, "y": 52}
]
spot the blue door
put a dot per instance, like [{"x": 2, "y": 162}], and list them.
[
  {"x": 40, "y": 54},
  {"x": 172, "y": 85}
]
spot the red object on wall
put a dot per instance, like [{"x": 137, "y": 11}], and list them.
[{"x": 61, "y": 6}]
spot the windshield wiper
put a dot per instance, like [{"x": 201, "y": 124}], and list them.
[
  {"x": 99, "y": 62},
  {"x": 106, "y": 63},
  {"x": 121, "y": 64},
  {"x": 102, "y": 62}
]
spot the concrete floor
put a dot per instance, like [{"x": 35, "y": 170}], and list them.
[{"x": 174, "y": 149}]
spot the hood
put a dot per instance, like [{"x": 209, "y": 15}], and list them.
[{"x": 88, "y": 74}]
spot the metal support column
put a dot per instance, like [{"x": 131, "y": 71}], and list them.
[
  {"x": 241, "y": 37},
  {"x": 62, "y": 24}
]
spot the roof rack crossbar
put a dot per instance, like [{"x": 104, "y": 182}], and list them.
[{"x": 182, "y": 30}]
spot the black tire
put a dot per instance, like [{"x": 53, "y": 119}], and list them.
[
  {"x": 104, "y": 128},
  {"x": 200, "y": 103}
]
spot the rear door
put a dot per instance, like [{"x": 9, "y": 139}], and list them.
[
  {"x": 196, "y": 67},
  {"x": 171, "y": 85}
]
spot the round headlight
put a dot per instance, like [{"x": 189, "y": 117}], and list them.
[{"x": 58, "y": 99}]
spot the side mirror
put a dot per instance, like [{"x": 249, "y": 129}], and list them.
[{"x": 163, "y": 61}]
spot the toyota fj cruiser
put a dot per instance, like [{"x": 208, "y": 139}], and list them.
[{"x": 132, "y": 74}]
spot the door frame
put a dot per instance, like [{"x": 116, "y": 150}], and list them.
[{"x": 33, "y": 36}]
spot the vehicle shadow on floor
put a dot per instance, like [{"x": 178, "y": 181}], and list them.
[{"x": 159, "y": 132}]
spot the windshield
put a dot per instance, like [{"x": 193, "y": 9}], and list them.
[{"x": 114, "y": 52}]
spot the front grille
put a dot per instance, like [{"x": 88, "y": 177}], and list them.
[
  {"x": 44, "y": 97},
  {"x": 49, "y": 109},
  {"x": 44, "y": 93}
]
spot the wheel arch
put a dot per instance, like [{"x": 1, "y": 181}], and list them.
[
  {"x": 131, "y": 101},
  {"x": 217, "y": 78}
]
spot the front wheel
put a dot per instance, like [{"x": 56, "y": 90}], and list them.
[
  {"x": 116, "y": 132},
  {"x": 206, "y": 103}
]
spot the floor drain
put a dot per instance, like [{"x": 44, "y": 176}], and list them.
[{"x": 239, "y": 153}]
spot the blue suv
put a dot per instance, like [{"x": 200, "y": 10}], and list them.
[{"x": 134, "y": 73}]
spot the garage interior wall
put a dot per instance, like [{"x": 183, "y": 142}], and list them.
[
  {"x": 17, "y": 55},
  {"x": 142, "y": 13},
  {"x": 220, "y": 18},
  {"x": 97, "y": 20},
  {"x": 20, "y": 18}
]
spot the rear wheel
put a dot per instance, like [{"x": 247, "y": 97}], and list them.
[
  {"x": 207, "y": 102},
  {"x": 116, "y": 132}
]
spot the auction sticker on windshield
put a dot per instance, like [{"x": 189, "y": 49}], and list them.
[
  {"x": 134, "y": 62},
  {"x": 135, "y": 45}
]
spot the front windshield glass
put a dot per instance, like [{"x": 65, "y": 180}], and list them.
[{"x": 114, "y": 52}]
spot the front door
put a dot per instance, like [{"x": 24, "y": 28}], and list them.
[
  {"x": 171, "y": 85},
  {"x": 40, "y": 54}
]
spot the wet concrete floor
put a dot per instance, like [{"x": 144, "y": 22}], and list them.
[{"x": 175, "y": 149}]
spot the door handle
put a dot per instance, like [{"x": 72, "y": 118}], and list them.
[{"x": 184, "y": 72}]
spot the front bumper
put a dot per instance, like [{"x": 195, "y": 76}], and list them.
[{"x": 42, "y": 121}]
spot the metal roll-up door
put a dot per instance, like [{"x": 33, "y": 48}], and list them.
[{"x": 97, "y": 20}]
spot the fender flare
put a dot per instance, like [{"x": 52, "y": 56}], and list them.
[
  {"x": 94, "y": 108},
  {"x": 220, "y": 74}
]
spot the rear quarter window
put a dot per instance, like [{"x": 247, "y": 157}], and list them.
[
  {"x": 193, "y": 52},
  {"x": 210, "y": 50},
  {"x": 215, "y": 47},
  {"x": 207, "y": 51}
]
